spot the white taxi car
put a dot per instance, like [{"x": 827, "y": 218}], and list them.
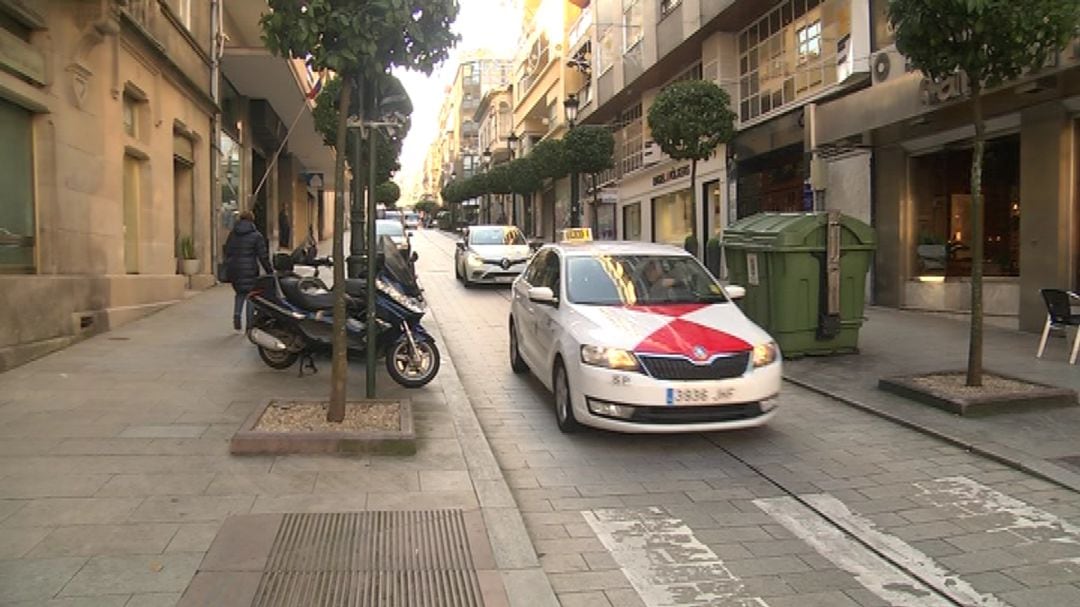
[{"x": 639, "y": 337}]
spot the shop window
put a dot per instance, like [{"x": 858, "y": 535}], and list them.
[
  {"x": 941, "y": 189},
  {"x": 673, "y": 217},
  {"x": 17, "y": 230},
  {"x": 632, "y": 221}
]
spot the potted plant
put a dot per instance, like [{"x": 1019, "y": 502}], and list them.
[{"x": 189, "y": 263}]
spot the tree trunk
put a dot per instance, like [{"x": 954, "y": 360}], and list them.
[
  {"x": 975, "y": 349},
  {"x": 336, "y": 411},
  {"x": 595, "y": 202}
]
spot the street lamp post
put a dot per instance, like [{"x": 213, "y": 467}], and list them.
[
  {"x": 570, "y": 104},
  {"x": 453, "y": 218},
  {"x": 511, "y": 145},
  {"x": 487, "y": 167}
]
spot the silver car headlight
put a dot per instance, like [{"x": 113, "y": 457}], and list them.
[
  {"x": 765, "y": 354},
  {"x": 410, "y": 303},
  {"x": 610, "y": 358}
]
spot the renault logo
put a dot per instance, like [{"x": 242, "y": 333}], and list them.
[
  {"x": 700, "y": 353},
  {"x": 505, "y": 264}
]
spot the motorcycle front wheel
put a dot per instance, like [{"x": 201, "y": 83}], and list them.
[{"x": 407, "y": 372}]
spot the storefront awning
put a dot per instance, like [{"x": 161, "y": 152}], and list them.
[{"x": 258, "y": 74}]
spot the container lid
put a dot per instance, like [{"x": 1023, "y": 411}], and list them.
[{"x": 797, "y": 231}]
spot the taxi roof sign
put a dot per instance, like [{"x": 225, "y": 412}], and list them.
[{"x": 575, "y": 235}]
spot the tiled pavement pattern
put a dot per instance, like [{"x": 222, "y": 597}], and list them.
[
  {"x": 1011, "y": 538},
  {"x": 114, "y": 467}
]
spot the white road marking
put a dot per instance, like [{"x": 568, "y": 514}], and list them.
[
  {"x": 1026, "y": 522},
  {"x": 875, "y": 573},
  {"x": 900, "y": 552},
  {"x": 664, "y": 562}
]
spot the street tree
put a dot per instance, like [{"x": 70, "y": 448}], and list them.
[
  {"x": 549, "y": 159},
  {"x": 689, "y": 120},
  {"x": 359, "y": 40},
  {"x": 387, "y": 193},
  {"x": 590, "y": 149},
  {"x": 985, "y": 43}
]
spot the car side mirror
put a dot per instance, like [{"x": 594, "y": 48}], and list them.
[
  {"x": 414, "y": 256},
  {"x": 535, "y": 244},
  {"x": 735, "y": 291},
  {"x": 542, "y": 295}
]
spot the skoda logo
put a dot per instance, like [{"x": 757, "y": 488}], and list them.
[
  {"x": 700, "y": 353},
  {"x": 505, "y": 264}
]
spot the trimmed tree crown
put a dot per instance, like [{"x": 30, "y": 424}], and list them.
[
  {"x": 990, "y": 41},
  {"x": 590, "y": 149},
  {"x": 689, "y": 119}
]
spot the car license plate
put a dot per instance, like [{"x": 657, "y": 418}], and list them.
[{"x": 698, "y": 396}]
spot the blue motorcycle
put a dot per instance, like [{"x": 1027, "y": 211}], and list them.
[{"x": 293, "y": 316}]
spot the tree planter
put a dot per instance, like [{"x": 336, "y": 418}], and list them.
[
  {"x": 998, "y": 394},
  {"x": 291, "y": 434}
]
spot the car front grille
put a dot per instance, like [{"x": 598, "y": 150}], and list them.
[{"x": 723, "y": 367}]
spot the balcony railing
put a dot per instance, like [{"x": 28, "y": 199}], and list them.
[{"x": 580, "y": 28}]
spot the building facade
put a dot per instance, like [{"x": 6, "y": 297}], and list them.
[
  {"x": 831, "y": 117},
  {"x": 110, "y": 162},
  {"x": 456, "y": 148},
  {"x": 495, "y": 119}
]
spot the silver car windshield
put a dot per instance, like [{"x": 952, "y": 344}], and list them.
[
  {"x": 496, "y": 236},
  {"x": 621, "y": 280},
  {"x": 388, "y": 227}
]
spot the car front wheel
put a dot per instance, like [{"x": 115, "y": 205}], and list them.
[
  {"x": 564, "y": 408},
  {"x": 516, "y": 362}
]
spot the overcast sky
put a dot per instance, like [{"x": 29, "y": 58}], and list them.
[{"x": 482, "y": 24}]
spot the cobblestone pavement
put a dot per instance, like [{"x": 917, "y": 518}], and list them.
[
  {"x": 115, "y": 474},
  {"x": 826, "y": 506}
]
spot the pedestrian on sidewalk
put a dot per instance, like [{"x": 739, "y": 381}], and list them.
[{"x": 245, "y": 251}]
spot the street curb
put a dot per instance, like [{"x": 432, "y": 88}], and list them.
[
  {"x": 523, "y": 578},
  {"x": 1034, "y": 466}
]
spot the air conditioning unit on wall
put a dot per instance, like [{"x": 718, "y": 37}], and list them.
[
  {"x": 652, "y": 154},
  {"x": 888, "y": 64}
]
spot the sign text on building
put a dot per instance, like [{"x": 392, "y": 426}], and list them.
[{"x": 672, "y": 175}]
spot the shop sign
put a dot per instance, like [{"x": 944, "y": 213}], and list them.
[
  {"x": 608, "y": 196},
  {"x": 672, "y": 175}
]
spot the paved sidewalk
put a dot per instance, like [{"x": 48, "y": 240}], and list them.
[
  {"x": 895, "y": 342},
  {"x": 115, "y": 474}
]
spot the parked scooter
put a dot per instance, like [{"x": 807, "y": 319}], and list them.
[{"x": 293, "y": 316}]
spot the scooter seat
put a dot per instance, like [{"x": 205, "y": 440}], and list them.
[{"x": 307, "y": 295}]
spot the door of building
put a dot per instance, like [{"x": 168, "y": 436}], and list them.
[
  {"x": 131, "y": 214},
  {"x": 183, "y": 201}
]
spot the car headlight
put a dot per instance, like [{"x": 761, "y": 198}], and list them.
[
  {"x": 765, "y": 354},
  {"x": 410, "y": 303},
  {"x": 474, "y": 260},
  {"x": 609, "y": 358}
]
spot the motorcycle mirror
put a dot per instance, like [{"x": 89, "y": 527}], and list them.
[{"x": 414, "y": 256}]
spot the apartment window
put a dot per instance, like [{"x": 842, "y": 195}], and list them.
[
  {"x": 666, "y": 6},
  {"x": 605, "y": 55},
  {"x": 783, "y": 56},
  {"x": 131, "y": 116},
  {"x": 632, "y": 136},
  {"x": 809, "y": 42},
  {"x": 633, "y": 21},
  {"x": 17, "y": 205}
]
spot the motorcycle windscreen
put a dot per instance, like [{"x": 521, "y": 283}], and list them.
[{"x": 395, "y": 264}]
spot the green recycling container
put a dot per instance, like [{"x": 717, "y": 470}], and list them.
[{"x": 780, "y": 258}]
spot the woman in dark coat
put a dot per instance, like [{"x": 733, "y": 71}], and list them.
[{"x": 245, "y": 250}]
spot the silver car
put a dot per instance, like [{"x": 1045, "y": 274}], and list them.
[{"x": 491, "y": 254}]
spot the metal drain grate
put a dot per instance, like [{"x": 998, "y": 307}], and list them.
[{"x": 362, "y": 559}]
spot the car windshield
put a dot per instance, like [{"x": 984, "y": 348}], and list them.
[
  {"x": 614, "y": 280},
  {"x": 388, "y": 227},
  {"x": 500, "y": 236}
]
